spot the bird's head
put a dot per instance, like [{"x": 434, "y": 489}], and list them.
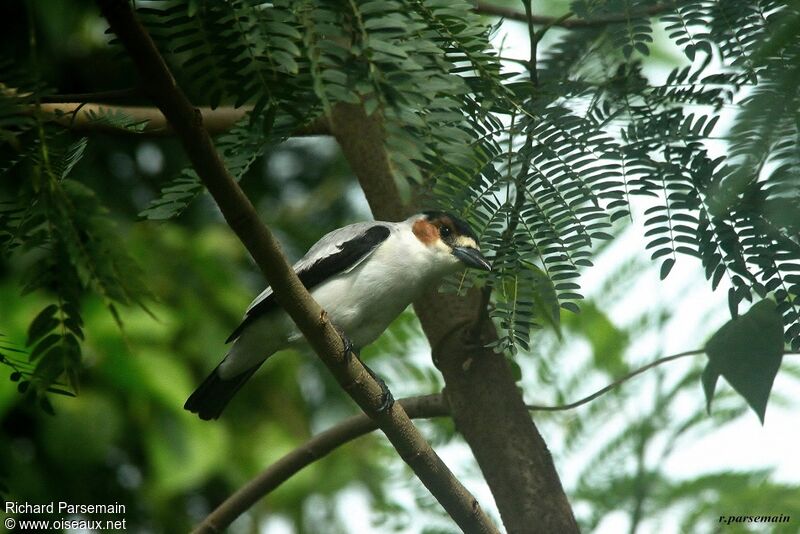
[{"x": 451, "y": 237}]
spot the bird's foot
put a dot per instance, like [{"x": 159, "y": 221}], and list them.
[
  {"x": 348, "y": 350},
  {"x": 387, "y": 399}
]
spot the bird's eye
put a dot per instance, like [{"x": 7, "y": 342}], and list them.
[{"x": 444, "y": 231}]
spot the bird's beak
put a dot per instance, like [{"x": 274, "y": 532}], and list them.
[{"x": 471, "y": 257}]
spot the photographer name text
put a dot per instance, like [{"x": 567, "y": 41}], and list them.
[{"x": 62, "y": 507}]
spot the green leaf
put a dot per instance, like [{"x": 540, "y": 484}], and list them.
[
  {"x": 666, "y": 267},
  {"x": 709, "y": 381},
  {"x": 747, "y": 351},
  {"x": 516, "y": 370},
  {"x": 46, "y": 406},
  {"x": 43, "y": 346},
  {"x": 43, "y": 323},
  {"x": 545, "y": 299}
]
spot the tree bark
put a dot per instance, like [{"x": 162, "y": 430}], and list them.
[
  {"x": 486, "y": 403},
  {"x": 489, "y": 411}
]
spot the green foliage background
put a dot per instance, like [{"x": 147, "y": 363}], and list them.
[{"x": 544, "y": 170}]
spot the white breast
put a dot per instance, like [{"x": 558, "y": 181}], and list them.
[
  {"x": 366, "y": 300},
  {"x": 361, "y": 302}
]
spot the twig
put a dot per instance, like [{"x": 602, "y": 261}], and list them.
[
  {"x": 523, "y": 62},
  {"x": 311, "y": 320},
  {"x": 536, "y": 37},
  {"x": 482, "y": 317},
  {"x": 506, "y": 239},
  {"x": 555, "y": 22},
  {"x": 534, "y": 41},
  {"x": 508, "y": 235},
  {"x": 616, "y": 383},
  {"x": 568, "y": 22}
]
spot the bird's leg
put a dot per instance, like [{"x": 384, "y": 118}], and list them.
[
  {"x": 348, "y": 349},
  {"x": 387, "y": 399}
]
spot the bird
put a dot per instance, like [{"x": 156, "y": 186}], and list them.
[{"x": 364, "y": 275}]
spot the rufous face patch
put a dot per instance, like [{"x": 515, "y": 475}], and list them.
[{"x": 425, "y": 231}]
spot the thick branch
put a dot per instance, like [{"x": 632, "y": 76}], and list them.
[
  {"x": 293, "y": 297},
  {"x": 83, "y": 118},
  {"x": 489, "y": 411},
  {"x": 509, "y": 13},
  {"x": 487, "y": 406},
  {"x": 361, "y": 139}
]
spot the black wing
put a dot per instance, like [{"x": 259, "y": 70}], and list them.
[{"x": 349, "y": 253}]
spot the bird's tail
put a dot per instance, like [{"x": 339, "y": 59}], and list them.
[{"x": 211, "y": 397}]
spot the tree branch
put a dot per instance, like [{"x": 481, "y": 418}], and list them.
[
  {"x": 565, "y": 21},
  {"x": 361, "y": 138},
  {"x": 99, "y": 96},
  {"x": 82, "y": 117},
  {"x": 292, "y": 296},
  {"x": 317, "y": 447}
]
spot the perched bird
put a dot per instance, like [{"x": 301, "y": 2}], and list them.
[{"x": 364, "y": 275}]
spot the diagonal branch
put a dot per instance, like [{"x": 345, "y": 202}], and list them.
[{"x": 292, "y": 296}]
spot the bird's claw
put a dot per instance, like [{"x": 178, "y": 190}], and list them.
[
  {"x": 387, "y": 399},
  {"x": 348, "y": 349}
]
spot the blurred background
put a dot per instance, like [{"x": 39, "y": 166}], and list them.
[{"x": 645, "y": 458}]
